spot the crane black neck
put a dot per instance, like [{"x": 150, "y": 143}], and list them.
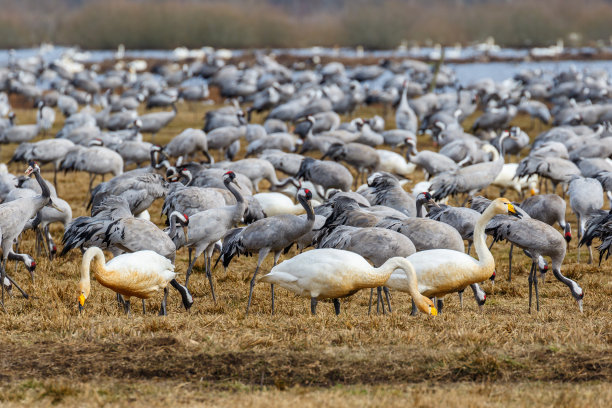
[
  {"x": 306, "y": 204},
  {"x": 46, "y": 193},
  {"x": 229, "y": 185}
]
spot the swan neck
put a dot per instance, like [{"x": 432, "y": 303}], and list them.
[{"x": 480, "y": 242}]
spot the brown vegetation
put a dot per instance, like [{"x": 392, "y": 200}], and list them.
[
  {"x": 214, "y": 355},
  {"x": 164, "y": 24}
]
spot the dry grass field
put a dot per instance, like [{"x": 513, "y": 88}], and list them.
[{"x": 213, "y": 355}]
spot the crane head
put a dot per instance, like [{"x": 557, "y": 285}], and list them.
[
  {"x": 426, "y": 198},
  {"x": 230, "y": 176},
  {"x": 307, "y": 194},
  {"x": 32, "y": 167}
]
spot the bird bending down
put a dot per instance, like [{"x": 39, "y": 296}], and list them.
[
  {"x": 443, "y": 271},
  {"x": 138, "y": 274},
  {"x": 334, "y": 273}
]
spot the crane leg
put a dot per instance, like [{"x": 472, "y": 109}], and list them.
[
  {"x": 207, "y": 258},
  {"x": 535, "y": 284},
  {"x": 370, "y": 303},
  {"x": 530, "y": 279},
  {"x": 251, "y": 288},
  {"x": 313, "y": 305},
  {"x": 388, "y": 297},
  {"x": 55, "y": 176},
  {"x": 126, "y": 307},
  {"x": 460, "y": 293},
  {"x": 190, "y": 268},
  {"x": 185, "y": 295},
  {"x": 162, "y": 309},
  {"x": 276, "y": 256},
  {"x": 579, "y": 237},
  {"x": 510, "y": 263},
  {"x": 337, "y": 306}
]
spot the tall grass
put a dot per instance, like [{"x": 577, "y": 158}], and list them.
[{"x": 278, "y": 23}]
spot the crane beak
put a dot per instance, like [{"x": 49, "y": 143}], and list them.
[
  {"x": 29, "y": 171},
  {"x": 432, "y": 202},
  {"x": 185, "y": 229},
  {"x": 52, "y": 204}
]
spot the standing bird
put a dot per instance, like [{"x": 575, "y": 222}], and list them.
[
  {"x": 44, "y": 151},
  {"x": 364, "y": 158},
  {"x": 548, "y": 208},
  {"x": 188, "y": 143},
  {"x": 93, "y": 160},
  {"x": 325, "y": 175},
  {"x": 208, "y": 227},
  {"x": 586, "y": 197},
  {"x": 333, "y": 273},
  {"x": 272, "y": 234},
  {"x": 15, "y": 214},
  {"x": 385, "y": 189},
  {"x": 154, "y": 122},
  {"x": 45, "y": 117},
  {"x": 405, "y": 118},
  {"x": 139, "y": 274}
]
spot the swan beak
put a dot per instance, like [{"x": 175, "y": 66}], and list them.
[
  {"x": 81, "y": 303},
  {"x": 512, "y": 210},
  {"x": 433, "y": 311},
  {"x": 580, "y": 305},
  {"x": 185, "y": 229}
]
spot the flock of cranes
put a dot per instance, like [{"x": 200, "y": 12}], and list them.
[{"x": 350, "y": 177}]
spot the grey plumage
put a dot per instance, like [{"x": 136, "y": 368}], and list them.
[
  {"x": 586, "y": 197},
  {"x": 384, "y": 189}
]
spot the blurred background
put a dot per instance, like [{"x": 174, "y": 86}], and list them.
[{"x": 373, "y": 24}]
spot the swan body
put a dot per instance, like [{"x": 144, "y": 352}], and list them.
[
  {"x": 139, "y": 274},
  {"x": 334, "y": 273},
  {"x": 278, "y": 203}
]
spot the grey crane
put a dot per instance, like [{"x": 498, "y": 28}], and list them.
[
  {"x": 469, "y": 179},
  {"x": 257, "y": 170},
  {"x": 463, "y": 219},
  {"x": 557, "y": 170},
  {"x": 154, "y": 122},
  {"x": 548, "y": 208},
  {"x": 384, "y": 189},
  {"x": 113, "y": 227},
  {"x": 272, "y": 234},
  {"x": 208, "y": 227},
  {"x": 513, "y": 145},
  {"x": 139, "y": 191},
  {"x": 226, "y": 116},
  {"x": 431, "y": 162},
  {"x": 364, "y": 158},
  {"x": 599, "y": 225},
  {"x": 15, "y": 214},
  {"x": 281, "y": 141},
  {"x": 288, "y": 163},
  {"x": 93, "y": 160},
  {"x": 190, "y": 200},
  {"x": 45, "y": 116},
  {"x": 496, "y": 118},
  {"x": 188, "y": 143},
  {"x": 44, "y": 151},
  {"x": 405, "y": 118},
  {"x": 19, "y": 133},
  {"x": 121, "y": 120},
  {"x": 224, "y": 138},
  {"x": 586, "y": 197},
  {"x": 325, "y": 175},
  {"x": 537, "y": 239}
]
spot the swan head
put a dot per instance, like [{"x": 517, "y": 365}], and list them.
[
  {"x": 503, "y": 206},
  {"x": 84, "y": 288},
  {"x": 428, "y": 307}
]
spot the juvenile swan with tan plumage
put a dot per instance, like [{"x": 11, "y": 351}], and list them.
[{"x": 139, "y": 274}]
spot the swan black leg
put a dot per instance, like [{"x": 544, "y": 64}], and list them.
[
  {"x": 460, "y": 293},
  {"x": 440, "y": 305},
  {"x": 414, "y": 310},
  {"x": 378, "y": 300},
  {"x": 126, "y": 307},
  {"x": 388, "y": 296},
  {"x": 313, "y": 305},
  {"x": 162, "y": 309},
  {"x": 337, "y": 306},
  {"x": 370, "y": 304},
  {"x": 144, "y": 307}
]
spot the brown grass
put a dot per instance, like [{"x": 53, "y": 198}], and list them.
[{"x": 213, "y": 355}]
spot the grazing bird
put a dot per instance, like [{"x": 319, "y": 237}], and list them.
[
  {"x": 548, "y": 208},
  {"x": 272, "y": 234},
  {"x": 537, "y": 239},
  {"x": 188, "y": 143},
  {"x": 364, "y": 158},
  {"x": 333, "y": 273},
  {"x": 93, "y": 160},
  {"x": 325, "y": 175},
  {"x": 586, "y": 197},
  {"x": 384, "y": 189},
  {"x": 443, "y": 271},
  {"x": 139, "y": 274}
]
